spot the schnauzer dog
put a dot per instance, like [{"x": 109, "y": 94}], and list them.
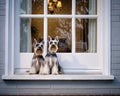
[
  {"x": 38, "y": 59},
  {"x": 51, "y": 61}
]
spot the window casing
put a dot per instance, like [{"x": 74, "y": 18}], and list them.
[{"x": 99, "y": 57}]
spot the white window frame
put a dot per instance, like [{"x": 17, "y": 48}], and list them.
[{"x": 105, "y": 20}]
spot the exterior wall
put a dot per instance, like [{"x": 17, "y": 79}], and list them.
[{"x": 66, "y": 87}]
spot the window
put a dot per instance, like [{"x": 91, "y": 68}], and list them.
[{"x": 83, "y": 28}]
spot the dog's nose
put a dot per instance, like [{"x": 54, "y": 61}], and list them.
[
  {"x": 39, "y": 47},
  {"x": 53, "y": 45}
]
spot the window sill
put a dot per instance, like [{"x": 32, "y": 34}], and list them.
[{"x": 57, "y": 77}]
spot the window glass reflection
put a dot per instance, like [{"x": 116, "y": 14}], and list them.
[
  {"x": 30, "y": 29},
  {"x": 59, "y": 6},
  {"x": 61, "y": 28},
  {"x": 32, "y": 6},
  {"x": 86, "y": 35},
  {"x": 85, "y": 7}
]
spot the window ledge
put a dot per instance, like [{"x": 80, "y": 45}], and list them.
[{"x": 57, "y": 77}]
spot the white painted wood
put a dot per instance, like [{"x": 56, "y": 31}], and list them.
[
  {"x": 57, "y": 77},
  {"x": 83, "y": 61},
  {"x": 58, "y": 16},
  {"x": 107, "y": 38},
  {"x": 31, "y": 16},
  {"x": 73, "y": 26},
  {"x": 17, "y": 34},
  {"x": 66, "y": 71},
  {"x": 70, "y": 60},
  {"x": 13, "y": 47},
  {"x": 45, "y": 27},
  {"x": 71, "y": 67},
  {"x": 6, "y": 38}
]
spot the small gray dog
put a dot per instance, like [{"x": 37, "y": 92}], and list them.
[
  {"x": 38, "y": 59},
  {"x": 51, "y": 62}
]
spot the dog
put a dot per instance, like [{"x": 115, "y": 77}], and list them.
[
  {"x": 38, "y": 59},
  {"x": 51, "y": 61}
]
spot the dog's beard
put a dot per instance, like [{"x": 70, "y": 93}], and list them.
[
  {"x": 53, "y": 49},
  {"x": 39, "y": 52}
]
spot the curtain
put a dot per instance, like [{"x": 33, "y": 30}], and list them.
[
  {"x": 92, "y": 37},
  {"x": 25, "y": 27}
]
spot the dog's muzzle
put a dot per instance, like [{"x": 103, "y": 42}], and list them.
[
  {"x": 39, "y": 51},
  {"x": 53, "y": 48}
]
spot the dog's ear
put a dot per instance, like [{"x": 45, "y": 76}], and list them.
[
  {"x": 42, "y": 41},
  {"x": 34, "y": 42},
  {"x": 57, "y": 38},
  {"x": 49, "y": 38}
]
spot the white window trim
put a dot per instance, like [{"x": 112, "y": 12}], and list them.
[{"x": 9, "y": 48}]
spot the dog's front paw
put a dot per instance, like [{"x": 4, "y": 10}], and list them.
[
  {"x": 32, "y": 70},
  {"x": 56, "y": 73},
  {"x": 55, "y": 70},
  {"x": 46, "y": 70}
]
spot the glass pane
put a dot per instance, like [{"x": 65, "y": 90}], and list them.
[
  {"x": 86, "y": 35},
  {"x": 30, "y": 29},
  {"x": 85, "y": 7},
  {"x": 32, "y": 6},
  {"x": 62, "y": 28},
  {"x": 59, "y": 6}
]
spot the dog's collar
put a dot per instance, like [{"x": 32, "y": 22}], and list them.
[
  {"x": 51, "y": 54},
  {"x": 38, "y": 56}
]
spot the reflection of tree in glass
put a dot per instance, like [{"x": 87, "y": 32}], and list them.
[
  {"x": 64, "y": 29},
  {"x": 82, "y": 25},
  {"x": 38, "y": 3},
  {"x": 35, "y": 33},
  {"x": 37, "y": 6},
  {"x": 82, "y": 6}
]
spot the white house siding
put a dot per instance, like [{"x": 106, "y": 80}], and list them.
[{"x": 66, "y": 87}]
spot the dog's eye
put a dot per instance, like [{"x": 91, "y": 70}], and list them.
[
  {"x": 51, "y": 42},
  {"x": 56, "y": 43},
  {"x": 41, "y": 45},
  {"x": 37, "y": 45}
]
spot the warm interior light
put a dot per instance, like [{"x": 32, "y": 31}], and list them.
[{"x": 54, "y": 6}]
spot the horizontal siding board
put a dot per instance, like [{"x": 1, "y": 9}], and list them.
[
  {"x": 115, "y": 6},
  {"x": 2, "y": 1},
  {"x": 2, "y": 71},
  {"x": 2, "y": 65},
  {"x": 115, "y": 12},
  {"x": 117, "y": 79},
  {"x": 61, "y": 92},
  {"x": 2, "y": 7},
  {"x": 86, "y": 84},
  {"x": 115, "y": 54},
  {"x": 33, "y": 84},
  {"x": 115, "y": 29},
  {"x": 115, "y": 33},
  {"x": 115, "y": 40},
  {"x": 115, "y": 18},
  {"x": 115, "y": 60},
  {"x": 115, "y": 47},
  {"x": 115, "y": 1},
  {"x": 7, "y": 86},
  {"x": 116, "y": 66},
  {"x": 2, "y": 13},
  {"x": 115, "y": 72}
]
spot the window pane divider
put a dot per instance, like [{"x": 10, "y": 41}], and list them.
[
  {"x": 45, "y": 26},
  {"x": 57, "y": 16},
  {"x": 31, "y": 16},
  {"x": 73, "y": 25},
  {"x": 12, "y": 49},
  {"x": 87, "y": 16}
]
